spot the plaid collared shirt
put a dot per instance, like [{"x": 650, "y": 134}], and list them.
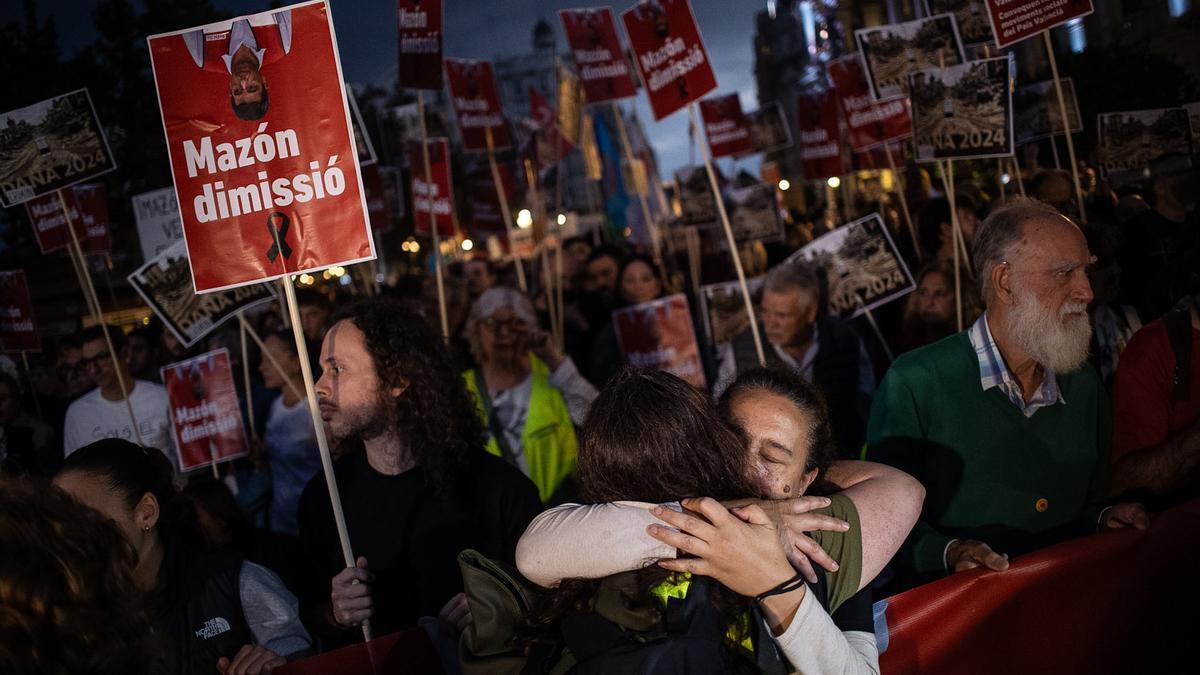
[{"x": 994, "y": 373}]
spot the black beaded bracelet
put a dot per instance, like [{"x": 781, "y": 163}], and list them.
[{"x": 786, "y": 587}]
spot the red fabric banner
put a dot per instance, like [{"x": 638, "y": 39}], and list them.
[
  {"x": 420, "y": 25},
  {"x": 726, "y": 126},
  {"x": 405, "y": 653},
  {"x": 205, "y": 416},
  {"x": 871, "y": 123},
  {"x": 436, "y": 194},
  {"x": 1117, "y": 602},
  {"x": 820, "y": 146},
  {"x": 258, "y": 132},
  {"x": 592, "y": 34},
  {"x": 87, "y": 205},
  {"x": 18, "y": 327},
  {"x": 477, "y": 104},
  {"x": 669, "y": 53},
  {"x": 1015, "y": 20}
]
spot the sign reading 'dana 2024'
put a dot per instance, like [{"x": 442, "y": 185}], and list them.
[
  {"x": 51, "y": 145},
  {"x": 262, "y": 154}
]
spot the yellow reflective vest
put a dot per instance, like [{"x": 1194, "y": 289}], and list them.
[{"x": 548, "y": 439}]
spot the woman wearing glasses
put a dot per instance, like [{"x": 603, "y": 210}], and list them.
[{"x": 530, "y": 396}]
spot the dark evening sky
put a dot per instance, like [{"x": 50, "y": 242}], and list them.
[{"x": 366, "y": 33}]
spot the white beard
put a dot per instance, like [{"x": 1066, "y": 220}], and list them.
[{"x": 1058, "y": 340}]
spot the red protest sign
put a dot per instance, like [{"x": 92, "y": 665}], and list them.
[
  {"x": 205, "y": 416},
  {"x": 658, "y": 334},
  {"x": 88, "y": 207},
  {"x": 592, "y": 34},
  {"x": 477, "y": 104},
  {"x": 262, "y": 155},
  {"x": 18, "y": 328},
  {"x": 432, "y": 195},
  {"x": 420, "y": 23},
  {"x": 725, "y": 125},
  {"x": 817, "y": 115},
  {"x": 377, "y": 206},
  {"x": 1015, "y": 20},
  {"x": 670, "y": 54},
  {"x": 871, "y": 123}
]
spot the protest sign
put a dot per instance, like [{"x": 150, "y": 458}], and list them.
[
  {"x": 861, "y": 264},
  {"x": 164, "y": 282},
  {"x": 1193, "y": 110},
  {"x": 754, "y": 213},
  {"x": 769, "y": 130},
  {"x": 724, "y": 309},
  {"x": 477, "y": 104},
  {"x": 51, "y": 145},
  {"x": 599, "y": 58},
  {"x": 870, "y": 123},
  {"x": 158, "y": 221},
  {"x": 420, "y": 23},
  {"x": 658, "y": 335},
  {"x": 696, "y": 200},
  {"x": 434, "y": 195},
  {"x": 820, "y": 147},
  {"x": 974, "y": 26},
  {"x": 377, "y": 202},
  {"x": 362, "y": 140},
  {"x": 206, "y": 419},
  {"x": 18, "y": 327},
  {"x": 1037, "y": 115},
  {"x": 88, "y": 207},
  {"x": 1015, "y": 20},
  {"x": 669, "y": 53},
  {"x": 890, "y": 53},
  {"x": 262, "y": 154},
  {"x": 964, "y": 111},
  {"x": 725, "y": 126},
  {"x": 1130, "y": 141}
]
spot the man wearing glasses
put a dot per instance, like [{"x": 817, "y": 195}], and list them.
[{"x": 102, "y": 413}]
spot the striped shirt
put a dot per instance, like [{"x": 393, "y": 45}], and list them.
[{"x": 994, "y": 373}]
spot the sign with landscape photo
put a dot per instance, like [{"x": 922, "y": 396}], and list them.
[{"x": 964, "y": 111}]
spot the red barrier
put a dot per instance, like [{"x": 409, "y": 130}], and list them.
[
  {"x": 1117, "y": 602},
  {"x": 405, "y": 653}
]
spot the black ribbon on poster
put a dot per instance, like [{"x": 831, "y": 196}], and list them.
[{"x": 278, "y": 224}]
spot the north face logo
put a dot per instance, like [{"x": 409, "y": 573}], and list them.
[{"x": 212, "y": 628}]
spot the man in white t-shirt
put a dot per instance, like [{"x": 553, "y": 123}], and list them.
[{"x": 102, "y": 413}]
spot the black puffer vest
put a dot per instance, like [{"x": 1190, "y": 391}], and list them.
[{"x": 199, "y": 607}]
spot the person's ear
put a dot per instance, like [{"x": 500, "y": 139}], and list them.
[
  {"x": 806, "y": 481},
  {"x": 398, "y": 390},
  {"x": 1002, "y": 279},
  {"x": 146, "y": 513}
]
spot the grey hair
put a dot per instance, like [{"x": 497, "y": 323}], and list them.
[
  {"x": 793, "y": 276},
  {"x": 999, "y": 234},
  {"x": 489, "y": 302}
]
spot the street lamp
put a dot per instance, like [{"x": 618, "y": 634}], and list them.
[
  {"x": 524, "y": 219},
  {"x": 784, "y": 184}
]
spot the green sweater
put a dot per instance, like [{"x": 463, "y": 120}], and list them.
[{"x": 990, "y": 473}]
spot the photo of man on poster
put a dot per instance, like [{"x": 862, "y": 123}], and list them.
[{"x": 241, "y": 51}]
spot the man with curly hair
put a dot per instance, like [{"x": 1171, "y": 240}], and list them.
[{"x": 416, "y": 485}]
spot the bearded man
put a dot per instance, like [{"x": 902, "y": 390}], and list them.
[
  {"x": 416, "y": 485},
  {"x": 1005, "y": 424}
]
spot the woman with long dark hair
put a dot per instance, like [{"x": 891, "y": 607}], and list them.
[
  {"x": 223, "y": 613},
  {"x": 788, "y": 452}
]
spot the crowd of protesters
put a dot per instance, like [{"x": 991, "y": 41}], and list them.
[{"x": 1056, "y": 394}]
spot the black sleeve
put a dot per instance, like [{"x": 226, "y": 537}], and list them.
[
  {"x": 506, "y": 502},
  {"x": 316, "y": 526},
  {"x": 856, "y": 613}
]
